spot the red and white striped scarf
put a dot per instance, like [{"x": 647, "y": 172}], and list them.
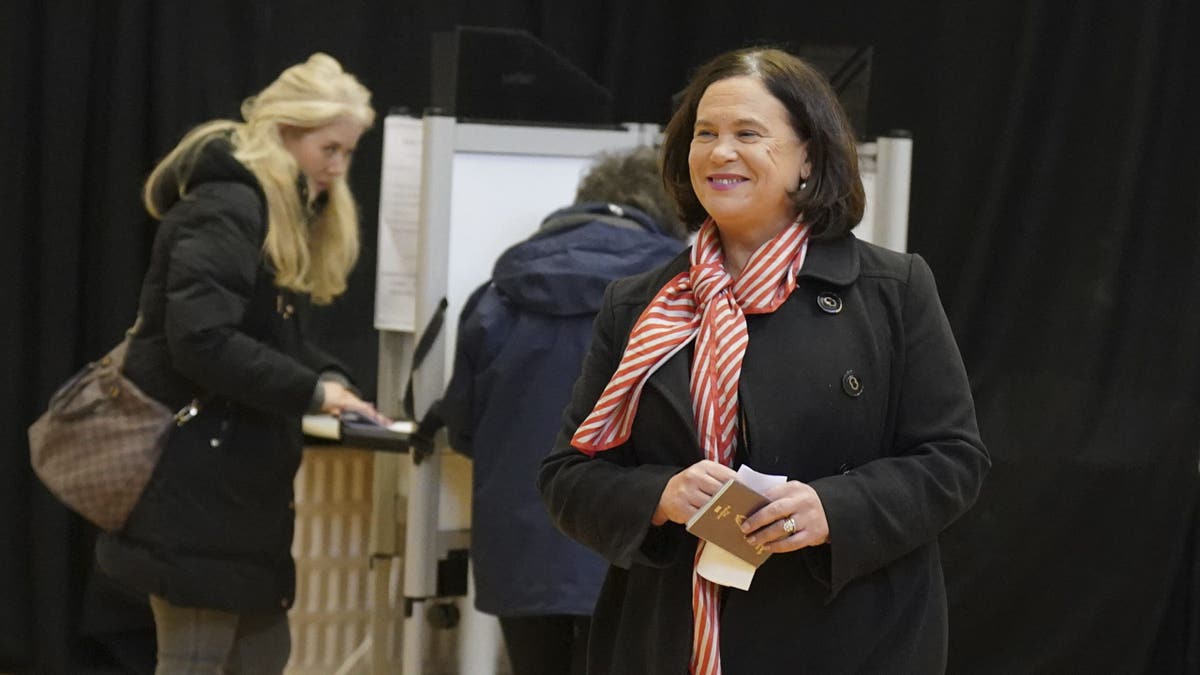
[{"x": 707, "y": 304}]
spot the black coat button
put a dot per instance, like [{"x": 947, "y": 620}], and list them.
[
  {"x": 829, "y": 303},
  {"x": 851, "y": 384}
]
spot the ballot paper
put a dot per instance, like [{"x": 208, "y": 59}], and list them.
[{"x": 722, "y": 567}]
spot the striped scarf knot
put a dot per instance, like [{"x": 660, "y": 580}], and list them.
[
  {"x": 708, "y": 281},
  {"x": 705, "y": 304}
]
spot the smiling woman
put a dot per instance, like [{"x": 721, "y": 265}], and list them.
[
  {"x": 782, "y": 343},
  {"x": 777, "y": 97},
  {"x": 745, "y": 162}
]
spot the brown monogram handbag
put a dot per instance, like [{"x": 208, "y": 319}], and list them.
[{"x": 99, "y": 439}]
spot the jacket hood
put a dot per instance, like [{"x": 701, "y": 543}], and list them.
[
  {"x": 563, "y": 269},
  {"x": 213, "y": 163}
]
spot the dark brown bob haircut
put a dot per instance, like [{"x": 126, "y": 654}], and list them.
[{"x": 833, "y": 200}]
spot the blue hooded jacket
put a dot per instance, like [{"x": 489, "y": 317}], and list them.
[{"x": 521, "y": 342}]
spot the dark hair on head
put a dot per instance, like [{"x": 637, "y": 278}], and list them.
[
  {"x": 832, "y": 201},
  {"x": 631, "y": 178}
]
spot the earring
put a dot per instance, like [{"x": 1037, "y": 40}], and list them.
[{"x": 803, "y": 184}]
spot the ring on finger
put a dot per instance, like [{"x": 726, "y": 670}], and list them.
[{"x": 789, "y": 525}]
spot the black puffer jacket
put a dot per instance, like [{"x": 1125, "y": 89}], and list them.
[{"x": 214, "y": 527}]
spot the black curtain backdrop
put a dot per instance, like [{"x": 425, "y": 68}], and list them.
[{"x": 1055, "y": 192}]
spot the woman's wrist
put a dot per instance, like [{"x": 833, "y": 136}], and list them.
[
  {"x": 318, "y": 398},
  {"x": 660, "y": 516}
]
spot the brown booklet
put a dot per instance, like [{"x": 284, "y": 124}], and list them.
[{"x": 720, "y": 520}]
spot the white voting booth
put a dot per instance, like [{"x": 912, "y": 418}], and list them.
[{"x": 454, "y": 196}]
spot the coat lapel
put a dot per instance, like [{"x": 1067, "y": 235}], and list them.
[{"x": 673, "y": 381}]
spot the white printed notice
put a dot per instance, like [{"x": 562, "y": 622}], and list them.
[{"x": 399, "y": 221}]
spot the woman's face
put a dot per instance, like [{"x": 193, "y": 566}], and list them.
[
  {"x": 323, "y": 153},
  {"x": 745, "y": 157}
]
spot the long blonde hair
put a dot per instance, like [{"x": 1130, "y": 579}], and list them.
[{"x": 309, "y": 255}]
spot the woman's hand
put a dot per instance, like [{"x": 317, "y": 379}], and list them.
[
  {"x": 795, "y": 501},
  {"x": 339, "y": 399},
  {"x": 690, "y": 489}
]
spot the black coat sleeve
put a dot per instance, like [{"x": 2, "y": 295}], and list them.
[
  {"x": 606, "y": 501},
  {"x": 888, "y": 507},
  {"x": 212, "y": 269},
  {"x": 316, "y": 358}
]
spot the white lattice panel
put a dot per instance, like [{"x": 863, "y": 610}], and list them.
[{"x": 335, "y": 588}]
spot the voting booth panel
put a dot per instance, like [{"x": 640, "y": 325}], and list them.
[
  {"x": 885, "y": 166},
  {"x": 483, "y": 188},
  {"x": 335, "y": 590}
]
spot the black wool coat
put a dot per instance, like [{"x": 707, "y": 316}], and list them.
[
  {"x": 214, "y": 527},
  {"x": 855, "y": 386}
]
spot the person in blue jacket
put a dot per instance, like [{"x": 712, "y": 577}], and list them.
[{"x": 521, "y": 341}]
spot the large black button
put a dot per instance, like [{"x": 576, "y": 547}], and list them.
[
  {"x": 851, "y": 384},
  {"x": 829, "y": 303}
]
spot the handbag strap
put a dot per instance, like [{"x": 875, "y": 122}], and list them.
[{"x": 116, "y": 359}]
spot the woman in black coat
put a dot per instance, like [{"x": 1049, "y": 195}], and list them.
[
  {"x": 781, "y": 342},
  {"x": 256, "y": 220}
]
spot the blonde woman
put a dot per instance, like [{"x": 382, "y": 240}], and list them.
[{"x": 256, "y": 221}]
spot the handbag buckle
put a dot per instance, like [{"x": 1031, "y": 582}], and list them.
[{"x": 187, "y": 412}]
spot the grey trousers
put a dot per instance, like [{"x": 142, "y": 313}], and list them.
[{"x": 196, "y": 641}]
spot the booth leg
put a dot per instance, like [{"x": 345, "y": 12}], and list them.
[{"x": 479, "y": 637}]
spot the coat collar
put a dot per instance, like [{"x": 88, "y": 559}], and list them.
[{"x": 834, "y": 262}]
